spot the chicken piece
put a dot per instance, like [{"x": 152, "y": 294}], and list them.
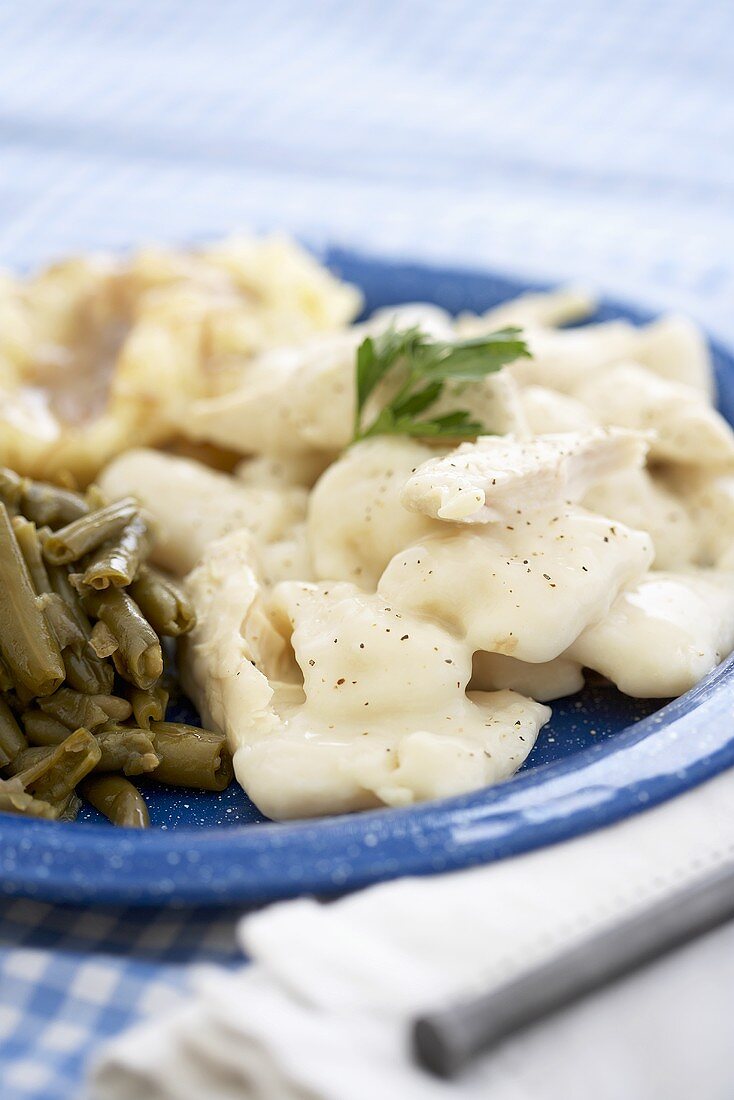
[
  {"x": 493, "y": 480},
  {"x": 546, "y": 309},
  {"x": 381, "y": 716},
  {"x": 686, "y": 428},
  {"x": 192, "y": 505},
  {"x": 527, "y": 588},
  {"x": 642, "y": 500},
  {"x": 663, "y": 634},
  {"x": 544, "y": 682},
  {"x": 549, "y": 412},
  {"x": 356, "y": 521}
]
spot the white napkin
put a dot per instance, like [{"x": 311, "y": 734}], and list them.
[{"x": 323, "y": 1013}]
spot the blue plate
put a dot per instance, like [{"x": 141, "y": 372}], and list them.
[{"x": 602, "y": 757}]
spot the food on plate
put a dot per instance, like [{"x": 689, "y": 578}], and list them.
[
  {"x": 100, "y": 354},
  {"x": 81, "y": 660},
  {"x": 380, "y": 548}
]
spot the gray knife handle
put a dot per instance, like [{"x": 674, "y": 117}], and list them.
[{"x": 448, "y": 1039}]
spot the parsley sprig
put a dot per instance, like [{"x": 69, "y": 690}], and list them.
[{"x": 422, "y": 367}]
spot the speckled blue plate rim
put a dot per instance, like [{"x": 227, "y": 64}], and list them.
[{"x": 685, "y": 743}]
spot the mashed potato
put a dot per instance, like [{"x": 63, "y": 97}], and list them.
[{"x": 99, "y": 355}]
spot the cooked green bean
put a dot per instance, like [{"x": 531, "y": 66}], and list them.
[
  {"x": 84, "y": 535},
  {"x": 191, "y": 757},
  {"x": 11, "y": 489},
  {"x": 47, "y": 504},
  {"x": 118, "y": 560},
  {"x": 26, "y": 535},
  {"x": 51, "y": 774},
  {"x": 103, "y": 641},
  {"x": 125, "y": 749},
  {"x": 43, "y": 729},
  {"x": 118, "y": 800},
  {"x": 85, "y": 671},
  {"x": 149, "y": 706},
  {"x": 12, "y": 740},
  {"x": 116, "y": 709},
  {"x": 6, "y": 680},
  {"x": 139, "y": 658},
  {"x": 74, "y": 709},
  {"x": 164, "y": 604},
  {"x": 61, "y": 621},
  {"x": 28, "y": 648},
  {"x": 14, "y": 799},
  {"x": 69, "y": 810}
]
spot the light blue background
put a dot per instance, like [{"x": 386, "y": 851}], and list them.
[{"x": 592, "y": 141}]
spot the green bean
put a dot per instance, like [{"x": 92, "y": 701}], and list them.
[
  {"x": 149, "y": 706},
  {"x": 28, "y": 648},
  {"x": 11, "y": 489},
  {"x": 118, "y": 800},
  {"x": 125, "y": 749},
  {"x": 164, "y": 604},
  {"x": 74, "y": 709},
  {"x": 103, "y": 641},
  {"x": 26, "y": 535},
  {"x": 84, "y": 535},
  {"x": 85, "y": 671},
  {"x": 47, "y": 504},
  {"x": 12, "y": 740},
  {"x": 51, "y": 774},
  {"x": 191, "y": 757},
  {"x": 69, "y": 810},
  {"x": 58, "y": 615},
  {"x": 6, "y": 680},
  {"x": 14, "y": 799},
  {"x": 43, "y": 729},
  {"x": 118, "y": 560},
  {"x": 139, "y": 658},
  {"x": 61, "y": 621},
  {"x": 116, "y": 709}
]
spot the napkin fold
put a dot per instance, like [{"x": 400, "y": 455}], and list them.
[{"x": 324, "y": 1011}]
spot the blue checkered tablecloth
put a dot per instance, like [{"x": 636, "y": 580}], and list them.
[{"x": 592, "y": 141}]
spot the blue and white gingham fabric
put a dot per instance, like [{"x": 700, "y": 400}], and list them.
[{"x": 592, "y": 141}]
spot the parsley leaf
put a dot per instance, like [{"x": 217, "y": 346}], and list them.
[{"x": 419, "y": 369}]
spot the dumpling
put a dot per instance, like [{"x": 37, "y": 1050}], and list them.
[
  {"x": 291, "y": 400},
  {"x": 382, "y": 716},
  {"x": 545, "y": 682},
  {"x": 494, "y": 480},
  {"x": 545, "y": 309},
  {"x": 709, "y": 497},
  {"x": 675, "y": 348},
  {"x": 672, "y": 348},
  {"x": 548, "y": 411},
  {"x": 192, "y": 505},
  {"x": 686, "y": 428},
  {"x": 642, "y": 500},
  {"x": 356, "y": 521},
  {"x": 527, "y": 588},
  {"x": 298, "y": 400},
  {"x": 433, "y": 320},
  {"x": 663, "y": 634},
  {"x": 563, "y": 358}
]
